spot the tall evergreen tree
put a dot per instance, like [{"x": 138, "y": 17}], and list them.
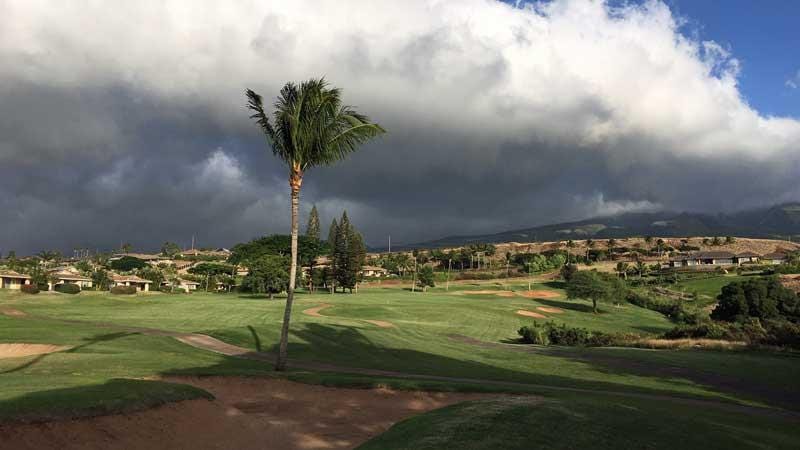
[
  {"x": 356, "y": 254},
  {"x": 340, "y": 253},
  {"x": 312, "y": 230},
  {"x": 332, "y": 235}
]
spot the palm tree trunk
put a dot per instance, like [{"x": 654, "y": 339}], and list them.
[{"x": 295, "y": 180}]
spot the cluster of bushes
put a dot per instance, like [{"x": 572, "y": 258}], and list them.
[
  {"x": 549, "y": 333},
  {"x": 29, "y": 289},
  {"x": 489, "y": 275},
  {"x": 753, "y": 331},
  {"x": 123, "y": 290},
  {"x": 67, "y": 288},
  {"x": 673, "y": 309}
]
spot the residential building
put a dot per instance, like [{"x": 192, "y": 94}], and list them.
[
  {"x": 131, "y": 280},
  {"x": 13, "y": 280}
]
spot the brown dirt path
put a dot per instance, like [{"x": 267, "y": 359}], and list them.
[
  {"x": 247, "y": 413},
  {"x": 314, "y": 312},
  {"x": 550, "y": 310}
]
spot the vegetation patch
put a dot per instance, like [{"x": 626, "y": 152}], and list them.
[{"x": 123, "y": 290}]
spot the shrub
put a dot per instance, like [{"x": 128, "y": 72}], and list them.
[
  {"x": 68, "y": 288},
  {"x": 29, "y": 289},
  {"x": 673, "y": 309},
  {"x": 550, "y": 333},
  {"x": 764, "y": 298},
  {"x": 123, "y": 290}
]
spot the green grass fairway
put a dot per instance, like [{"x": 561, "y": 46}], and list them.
[
  {"x": 466, "y": 337},
  {"x": 707, "y": 288}
]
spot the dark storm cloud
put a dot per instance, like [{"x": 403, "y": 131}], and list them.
[{"x": 134, "y": 130}]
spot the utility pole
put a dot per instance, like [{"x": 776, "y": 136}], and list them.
[
  {"x": 390, "y": 243},
  {"x": 414, "y": 275},
  {"x": 449, "y": 266},
  {"x": 530, "y": 275}
]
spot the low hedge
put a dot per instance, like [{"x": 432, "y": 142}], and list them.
[
  {"x": 780, "y": 333},
  {"x": 549, "y": 333},
  {"x": 29, "y": 289},
  {"x": 123, "y": 290},
  {"x": 67, "y": 288}
]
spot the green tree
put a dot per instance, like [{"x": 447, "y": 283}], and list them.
[
  {"x": 127, "y": 263},
  {"x": 764, "y": 298},
  {"x": 268, "y": 274},
  {"x": 341, "y": 259},
  {"x": 100, "y": 279},
  {"x": 730, "y": 240},
  {"x": 170, "y": 249},
  {"x": 126, "y": 248},
  {"x": 312, "y": 229},
  {"x": 356, "y": 255},
  {"x": 568, "y": 270},
  {"x": 425, "y": 278},
  {"x": 309, "y": 127},
  {"x": 641, "y": 268},
  {"x": 594, "y": 286},
  {"x": 83, "y": 267},
  {"x": 622, "y": 269}
]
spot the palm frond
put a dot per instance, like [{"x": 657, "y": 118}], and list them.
[{"x": 309, "y": 125}]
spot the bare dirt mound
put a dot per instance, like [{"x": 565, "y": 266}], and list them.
[
  {"x": 549, "y": 309},
  {"x": 13, "y": 313},
  {"x": 381, "y": 323},
  {"x": 526, "y": 313},
  {"x": 248, "y": 413},
  {"x": 314, "y": 312},
  {"x": 539, "y": 294},
  {"x": 20, "y": 350}
]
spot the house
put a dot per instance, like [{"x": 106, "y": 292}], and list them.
[
  {"x": 718, "y": 258},
  {"x": 747, "y": 257},
  {"x": 65, "y": 276},
  {"x": 131, "y": 280},
  {"x": 186, "y": 285},
  {"x": 775, "y": 258},
  {"x": 13, "y": 280},
  {"x": 374, "y": 271}
]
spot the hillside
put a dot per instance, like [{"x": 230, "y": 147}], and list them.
[{"x": 781, "y": 222}]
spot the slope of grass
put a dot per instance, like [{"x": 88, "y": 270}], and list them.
[{"x": 584, "y": 421}]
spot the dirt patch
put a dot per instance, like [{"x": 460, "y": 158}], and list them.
[
  {"x": 549, "y": 309},
  {"x": 314, "y": 312},
  {"x": 526, "y": 313},
  {"x": 247, "y": 413},
  {"x": 381, "y": 323},
  {"x": 792, "y": 282},
  {"x": 13, "y": 313},
  {"x": 539, "y": 294},
  {"x": 20, "y": 350}
]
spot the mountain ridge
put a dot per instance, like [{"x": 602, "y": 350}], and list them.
[{"x": 778, "y": 221}]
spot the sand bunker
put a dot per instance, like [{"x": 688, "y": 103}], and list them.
[
  {"x": 20, "y": 350},
  {"x": 247, "y": 413},
  {"x": 314, "y": 312},
  {"x": 525, "y": 313},
  {"x": 13, "y": 313},
  {"x": 381, "y": 323},
  {"x": 548, "y": 309},
  {"x": 491, "y": 292},
  {"x": 539, "y": 294}
]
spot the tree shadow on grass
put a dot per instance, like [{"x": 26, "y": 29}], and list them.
[
  {"x": 117, "y": 395},
  {"x": 555, "y": 284},
  {"x": 572, "y": 306}
]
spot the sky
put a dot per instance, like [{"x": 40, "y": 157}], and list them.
[{"x": 125, "y": 121}]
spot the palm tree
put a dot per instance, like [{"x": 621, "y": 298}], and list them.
[{"x": 310, "y": 127}]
